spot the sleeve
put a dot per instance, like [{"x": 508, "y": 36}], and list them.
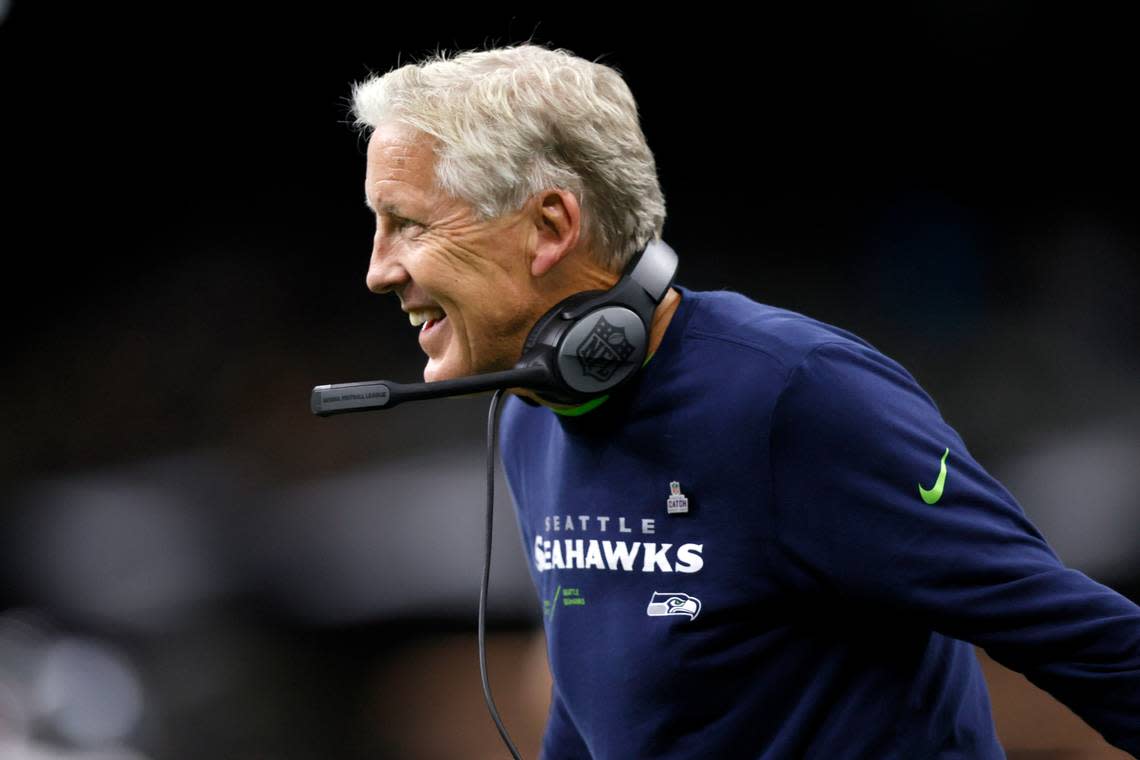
[{"x": 865, "y": 509}]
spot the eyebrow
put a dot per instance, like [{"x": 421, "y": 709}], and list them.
[{"x": 386, "y": 206}]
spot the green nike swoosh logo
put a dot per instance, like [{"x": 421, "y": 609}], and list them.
[{"x": 934, "y": 494}]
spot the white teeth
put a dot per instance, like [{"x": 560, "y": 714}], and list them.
[{"x": 418, "y": 316}]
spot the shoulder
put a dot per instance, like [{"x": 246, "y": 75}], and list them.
[
  {"x": 733, "y": 322},
  {"x": 786, "y": 351}
]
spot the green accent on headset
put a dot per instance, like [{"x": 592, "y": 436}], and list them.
[
  {"x": 932, "y": 495},
  {"x": 592, "y": 404}
]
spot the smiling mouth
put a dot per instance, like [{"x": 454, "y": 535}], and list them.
[
  {"x": 427, "y": 318},
  {"x": 433, "y": 329}
]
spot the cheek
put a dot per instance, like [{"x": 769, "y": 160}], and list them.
[
  {"x": 446, "y": 252},
  {"x": 488, "y": 331},
  {"x": 428, "y": 258},
  {"x": 486, "y": 299},
  {"x": 498, "y": 325}
]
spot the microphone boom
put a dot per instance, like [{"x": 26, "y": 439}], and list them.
[{"x": 342, "y": 398}]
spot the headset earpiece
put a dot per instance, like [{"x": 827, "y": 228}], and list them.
[
  {"x": 592, "y": 342},
  {"x": 542, "y": 328}
]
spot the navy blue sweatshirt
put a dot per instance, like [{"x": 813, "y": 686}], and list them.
[{"x": 771, "y": 545}]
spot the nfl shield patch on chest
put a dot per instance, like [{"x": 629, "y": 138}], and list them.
[{"x": 677, "y": 503}]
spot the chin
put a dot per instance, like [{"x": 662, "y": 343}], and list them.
[{"x": 442, "y": 370}]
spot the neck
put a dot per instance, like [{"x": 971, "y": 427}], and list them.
[{"x": 662, "y": 316}]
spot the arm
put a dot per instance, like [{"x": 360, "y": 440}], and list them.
[{"x": 853, "y": 438}]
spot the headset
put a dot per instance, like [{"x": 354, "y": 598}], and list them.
[{"x": 586, "y": 346}]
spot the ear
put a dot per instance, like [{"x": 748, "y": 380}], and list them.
[{"x": 558, "y": 222}]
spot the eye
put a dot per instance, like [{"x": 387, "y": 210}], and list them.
[{"x": 400, "y": 223}]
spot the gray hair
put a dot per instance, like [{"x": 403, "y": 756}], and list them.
[{"x": 514, "y": 121}]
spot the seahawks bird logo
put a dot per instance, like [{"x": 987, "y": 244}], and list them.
[{"x": 665, "y": 603}]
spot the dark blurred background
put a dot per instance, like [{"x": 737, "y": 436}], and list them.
[{"x": 191, "y": 565}]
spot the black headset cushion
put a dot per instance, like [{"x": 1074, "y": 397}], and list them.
[{"x": 550, "y": 319}]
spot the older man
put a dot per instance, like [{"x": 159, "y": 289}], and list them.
[{"x": 769, "y": 544}]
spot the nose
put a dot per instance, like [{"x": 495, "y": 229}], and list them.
[{"x": 385, "y": 272}]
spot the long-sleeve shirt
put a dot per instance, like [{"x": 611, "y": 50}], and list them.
[{"x": 771, "y": 545}]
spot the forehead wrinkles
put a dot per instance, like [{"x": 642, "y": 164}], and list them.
[
  {"x": 402, "y": 155},
  {"x": 405, "y": 149}
]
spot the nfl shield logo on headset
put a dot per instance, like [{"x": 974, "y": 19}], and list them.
[{"x": 603, "y": 350}]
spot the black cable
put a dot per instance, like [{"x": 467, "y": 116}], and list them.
[{"x": 492, "y": 441}]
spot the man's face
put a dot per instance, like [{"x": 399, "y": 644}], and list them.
[{"x": 466, "y": 281}]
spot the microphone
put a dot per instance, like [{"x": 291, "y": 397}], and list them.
[{"x": 342, "y": 398}]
